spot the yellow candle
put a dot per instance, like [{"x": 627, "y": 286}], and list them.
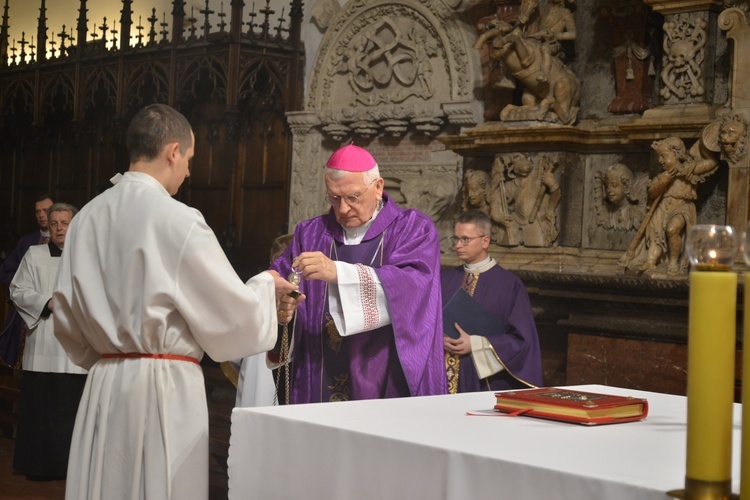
[
  {"x": 745, "y": 467},
  {"x": 711, "y": 345}
]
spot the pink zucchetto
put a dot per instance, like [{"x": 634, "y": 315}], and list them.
[{"x": 351, "y": 158}]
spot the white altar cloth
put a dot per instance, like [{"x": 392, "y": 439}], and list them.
[{"x": 428, "y": 448}]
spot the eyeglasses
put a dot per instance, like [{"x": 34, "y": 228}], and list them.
[
  {"x": 351, "y": 200},
  {"x": 464, "y": 240}
]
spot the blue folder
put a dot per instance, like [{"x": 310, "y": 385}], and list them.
[{"x": 473, "y": 318}]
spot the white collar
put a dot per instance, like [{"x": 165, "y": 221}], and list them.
[
  {"x": 480, "y": 267},
  {"x": 355, "y": 235}
]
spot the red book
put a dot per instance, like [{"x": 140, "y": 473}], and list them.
[{"x": 569, "y": 405}]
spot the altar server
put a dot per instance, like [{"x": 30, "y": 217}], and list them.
[
  {"x": 144, "y": 289},
  {"x": 51, "y": 385}
]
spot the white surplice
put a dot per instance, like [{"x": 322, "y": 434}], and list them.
[
  {"x": 144, "y": 273},
  {"x": 255, "y": 384},
  {"x": 30, "y": 291}
]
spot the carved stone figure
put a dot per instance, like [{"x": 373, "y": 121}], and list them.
[
  {"x": 477, "y": 185},
  {"x": 523, "y": 201},
  {"x": 323, "y": 12},
  {"x": 620, "y": 198},
  {"x": 733, "y": 137},
  {"x": 551, "y": 91},
  {"x": 557, "y": 24},
  {"x": 684, "y": 51},
  {"x": 673, "y": 193}
]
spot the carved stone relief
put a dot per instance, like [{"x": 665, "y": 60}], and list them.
[
  {"x": 530, "y": 50},
  {"x": 387, "y": 70},
  {"x": 620, "y": 198},
  {"x": 733, "y": 128},
  {"x": 431, "y": 189},
  {"x": 323, "y": 11},
  {"x": 658, "y": 247},
  {"x": 476, "y": 191},
  {"x": 733, "y": 138},
  {"x": 523, "y": 198},
  {"x": 391, "y": 69},
  {"x": 684, "y": 52}
]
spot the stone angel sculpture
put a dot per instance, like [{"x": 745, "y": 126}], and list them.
[
  {"x": 476, "y": 191},
  {"x": 673, "y": 193},
  {"x": 620, "y": 198}
]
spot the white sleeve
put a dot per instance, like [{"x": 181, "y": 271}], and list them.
[
  {"x": 23, "y": 292},
  {"x": 357, "y": 303},
  {"x": 484, "y": 357}
]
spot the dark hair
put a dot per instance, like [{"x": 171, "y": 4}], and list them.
[
  {"x": 478, "y": 218},
  {"x": 154, "y": 127},
  {"x": 43, "y": 197}
]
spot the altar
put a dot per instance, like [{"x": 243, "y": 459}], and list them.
[{"x": 428, "y": 447}]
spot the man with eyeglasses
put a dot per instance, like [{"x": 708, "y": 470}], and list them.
[
  {"x": 370, "y": 325},
  {"x": 508, "y": 356}
]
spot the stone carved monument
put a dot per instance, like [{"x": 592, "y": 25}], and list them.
[
  {"x": 620, "y": 198},
  {"x": 659, "y": 242},
  {"x": 389, "y": 76},
  {"x": 476, "y": 191},
  {"x": 733, "y": 138},
  {"x": 734, "y": 127},
  {"x": 529, "y": 51},
  {"x": 684, "y": 52},
  {"x": 523, "y": 201}
]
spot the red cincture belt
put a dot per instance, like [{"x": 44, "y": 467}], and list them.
[{"x": 176, "y": 357}]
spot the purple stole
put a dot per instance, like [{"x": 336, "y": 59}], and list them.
[
  {"x": 402, "y": 359},
  {"x": 364, "y": 365}
]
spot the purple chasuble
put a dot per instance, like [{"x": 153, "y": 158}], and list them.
[
  {"x": 503, "y": 294},
  {"x": 401, "y": 359}
]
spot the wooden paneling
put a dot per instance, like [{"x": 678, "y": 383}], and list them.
[{"x": 63, "y": 126}]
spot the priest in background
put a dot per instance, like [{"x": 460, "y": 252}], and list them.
[
  {"x": 13, "y": 330},
  {"x": 51, "y": 385},
  {"x": 508, "y": 357},
  {"x": 370, "y": 326}
]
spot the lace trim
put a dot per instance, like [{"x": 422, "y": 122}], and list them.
[{"x": 368, "y": 296}]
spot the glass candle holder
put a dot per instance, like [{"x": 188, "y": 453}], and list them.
[{"x": 711, "y": 247}]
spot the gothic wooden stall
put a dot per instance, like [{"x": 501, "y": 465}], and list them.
[{"x": 65, "y": 107}]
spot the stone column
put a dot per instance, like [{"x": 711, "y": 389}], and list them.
[
  {"x": 308, "y": 158},
  {"x": 733, "y": 126}
]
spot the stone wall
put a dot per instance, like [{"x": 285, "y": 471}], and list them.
[{"x": 624, "y": 75}]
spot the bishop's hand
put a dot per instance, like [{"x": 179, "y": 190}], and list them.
[{"x": 316, "y": 266}]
